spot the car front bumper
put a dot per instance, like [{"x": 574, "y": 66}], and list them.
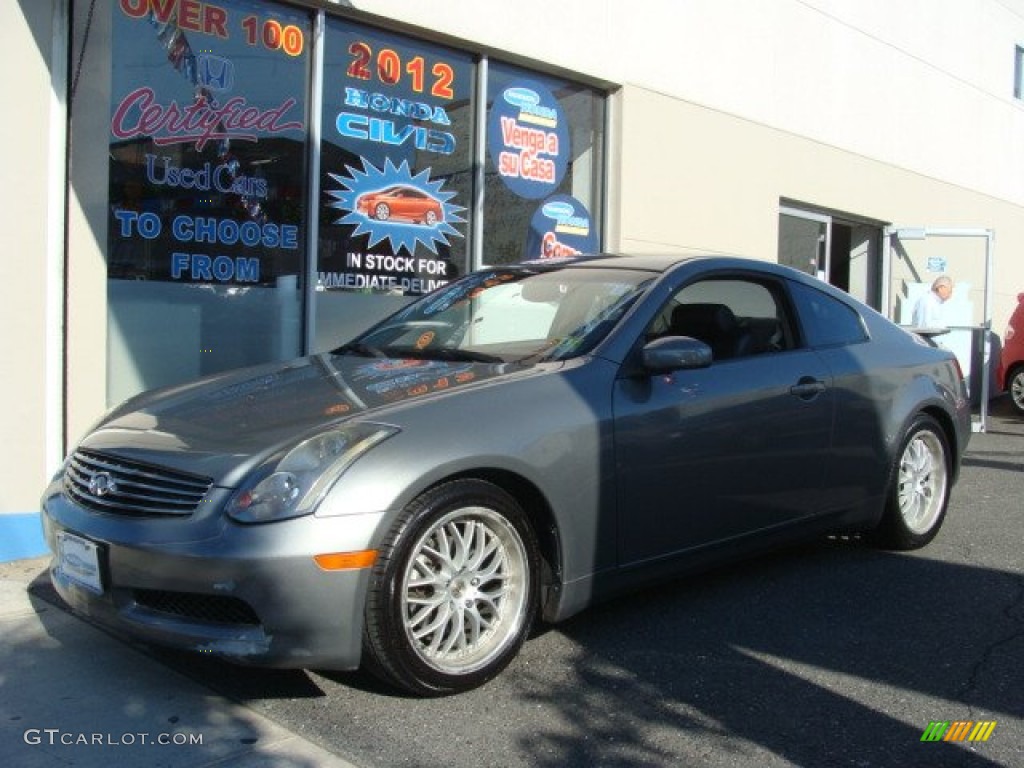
[{"x": 252, "y": 594}]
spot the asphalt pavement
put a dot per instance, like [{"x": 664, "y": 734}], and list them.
[{"x": 830, "y": 656}]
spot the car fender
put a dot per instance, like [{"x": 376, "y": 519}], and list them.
[
  {"x": 923, "y": 394},
  {"x": 505, "y": 429}
]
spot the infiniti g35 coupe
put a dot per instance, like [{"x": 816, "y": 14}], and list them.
[{"x": 512, "y": 447}]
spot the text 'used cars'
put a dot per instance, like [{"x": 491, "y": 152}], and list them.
[{"x": 514, "y": 446}]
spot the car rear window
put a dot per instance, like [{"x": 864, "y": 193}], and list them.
[{"x": 827, "y": 321}]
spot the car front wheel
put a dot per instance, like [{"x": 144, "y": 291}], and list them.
[
  {"x": 1015, "y": 386},
  {"x": 919, "y": 488},
  {"x": 382, "y": 212},
  {"x": 453, "y": 593}
]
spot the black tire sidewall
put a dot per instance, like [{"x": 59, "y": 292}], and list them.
[
  {"x": 386, "y": 639},
  {"x": 892, "y": 532},
  {"x": 1015, "y": 374}
]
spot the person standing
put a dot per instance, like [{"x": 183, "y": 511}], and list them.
[{"x": 928, "y": 309}]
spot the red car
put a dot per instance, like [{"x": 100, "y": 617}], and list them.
[
  {"x": 401, "y": 202},
  {"x": 1011, "y": 362}
]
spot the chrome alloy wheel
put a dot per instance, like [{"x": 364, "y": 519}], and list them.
[
  {"x": 923, "y": 479},
  {"x": 464, "y": 590}
]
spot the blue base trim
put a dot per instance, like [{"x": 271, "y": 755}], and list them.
[{"x": 21, "y": 537}]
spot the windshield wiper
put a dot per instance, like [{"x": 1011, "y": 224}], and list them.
[
  {"x": 448, "y": 354},
  {"x": 358, "y": 348}
]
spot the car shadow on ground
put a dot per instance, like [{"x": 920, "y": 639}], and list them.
[
  {"x": 785, "y": 647},
  {"x": 70, "y": 695}
]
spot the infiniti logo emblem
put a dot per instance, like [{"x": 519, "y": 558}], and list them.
[{"x": 101, "y": 484}]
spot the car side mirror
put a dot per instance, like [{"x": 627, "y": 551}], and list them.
[{"x": 675, "y": 353}]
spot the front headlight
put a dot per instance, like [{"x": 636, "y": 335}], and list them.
[{"x": 300, "y": 479}]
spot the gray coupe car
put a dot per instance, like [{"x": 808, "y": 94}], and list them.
[{"x": 516, "y": 445}]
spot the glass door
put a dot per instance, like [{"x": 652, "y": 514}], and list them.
[{"x": 805, "y": 240}]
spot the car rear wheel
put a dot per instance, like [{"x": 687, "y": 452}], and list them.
[
  {"x": 1015, "y": 386},
  {"x": 919, "y": 488},
  {"x": 454, "y": 591},
  {"x": 431, "y": 218}
]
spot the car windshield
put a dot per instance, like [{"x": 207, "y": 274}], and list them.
[{"x": 508, "y": 314}]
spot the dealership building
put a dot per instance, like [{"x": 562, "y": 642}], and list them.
[{"x": 195, "y": 186}]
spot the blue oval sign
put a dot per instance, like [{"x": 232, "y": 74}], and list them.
[
  {"x": 528, "y": 139},
  {"x": 561, "y": 227},
  {"x": 521, "y": 97}
]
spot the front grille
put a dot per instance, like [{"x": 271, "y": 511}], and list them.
[
  {"x": 216, "y": 609},
  {"x": 119, "y": 486}
]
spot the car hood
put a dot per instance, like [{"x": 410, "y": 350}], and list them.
[{"x": 222, "y": 426}]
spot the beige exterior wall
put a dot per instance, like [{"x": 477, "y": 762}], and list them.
[
  {"x": 25, "y": 279},
  {"x": 87, "y": 342},
  {"x": 719, "y": 188}
]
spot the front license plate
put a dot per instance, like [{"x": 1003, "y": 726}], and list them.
[{"x": 79, "y": 560}]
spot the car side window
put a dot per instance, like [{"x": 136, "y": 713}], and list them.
[
  {"x": 734, "y": 316},
  {"x": 827, "y": 321}
]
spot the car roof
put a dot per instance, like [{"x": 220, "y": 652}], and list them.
[
  {"x": 647, "y": 263},
  {"x": 709, "y": 263},
  {"x": 664, "y": 262}
]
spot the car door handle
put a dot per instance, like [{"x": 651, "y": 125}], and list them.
[{"x": 807, "y": 388}]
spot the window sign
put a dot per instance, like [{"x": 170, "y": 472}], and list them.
[
  {"x": 395, "y": 162},
  {"x": 544, "y": 146},
  {"x": 560, "y": 228},
  {"x": 206, "y": 232},
  {"x": 208, "y": 128},
  {"x": 528, "y": 138},
  {"x": 395, "y": 175}
]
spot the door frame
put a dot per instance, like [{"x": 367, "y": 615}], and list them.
[
  {"x": 864, "y": 283},
  {"x": 892, "y": 235}
]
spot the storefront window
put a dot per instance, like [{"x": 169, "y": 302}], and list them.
[
  {"x": 545, "y": 162},
  {"x": 395, "y": 174},
  {"x": 201, "y": 116},
  {"x": 206, "y": 236}
]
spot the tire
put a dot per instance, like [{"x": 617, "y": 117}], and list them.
[
  {"x": 1015, "y": 386},
  {"x": 919, "y": 486},
  {"x": 382, "y": 212},
  {"x": 431, "y": 218},
  {"x": 454, "y": 590}
]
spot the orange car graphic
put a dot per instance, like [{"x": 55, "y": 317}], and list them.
[{"x": 401, "y": 202}]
